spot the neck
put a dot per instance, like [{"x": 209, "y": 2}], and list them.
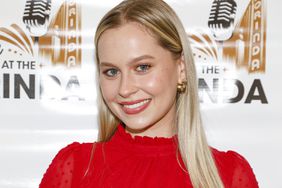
[{"x": 166, "y": 131}]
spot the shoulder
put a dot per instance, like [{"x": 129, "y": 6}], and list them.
[
  {"x": 227, "y": 156},
  {"x": 69, "y": 162},
  {"x": 71, "y": 151},
  {"x": 74, "y": 148},
  {"x": 234, "y": 168},
  {"x": 76, "y": 153}
]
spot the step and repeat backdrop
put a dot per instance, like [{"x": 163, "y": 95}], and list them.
[{"x": 48, "y": 87}]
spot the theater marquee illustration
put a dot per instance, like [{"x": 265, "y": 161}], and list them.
[
  {"x": 231, "y": 48},
  {"x": 43, "y": 59}
]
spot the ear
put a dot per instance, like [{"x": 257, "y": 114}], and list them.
[{"x": 181, "y": 69}]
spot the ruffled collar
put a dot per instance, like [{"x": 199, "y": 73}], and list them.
[{"x": 144, "y": 144}]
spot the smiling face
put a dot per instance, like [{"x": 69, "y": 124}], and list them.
[{"x": 138, "y": 80}]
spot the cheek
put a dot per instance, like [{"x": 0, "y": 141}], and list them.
[
  {"x": 109, "y": 89},
  {"x": 154, "y": 85},
  {"x": 160, "y": 82}
]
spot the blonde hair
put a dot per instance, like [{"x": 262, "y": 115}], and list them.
[{"x": 164, "y": 24}]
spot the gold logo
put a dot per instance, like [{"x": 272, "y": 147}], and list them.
[
  {"x": 245, "y": 48},
  {"x": 46, "y": 41},
  {"x": 15, "y": 36},
  {"x": 59, "y": 45},
  {"x": 62, "y": 43}
]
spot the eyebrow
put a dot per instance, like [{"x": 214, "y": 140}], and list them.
[{"x": 134, "y": 60}]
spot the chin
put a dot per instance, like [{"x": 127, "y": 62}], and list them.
[{"x": 136, "y": 126}]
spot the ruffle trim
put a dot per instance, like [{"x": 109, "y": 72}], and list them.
[{"x": 144, "y": 140}]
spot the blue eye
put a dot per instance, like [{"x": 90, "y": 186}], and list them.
[
  {"x": 143, "y": 68},
  {"x": 110, "y": 72}
]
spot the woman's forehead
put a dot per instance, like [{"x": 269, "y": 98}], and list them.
[{"x": 128, "y": 40}]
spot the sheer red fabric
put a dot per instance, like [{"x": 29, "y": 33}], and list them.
[{"x": 139, "y": 162}]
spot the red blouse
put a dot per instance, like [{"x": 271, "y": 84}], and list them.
[{"x": 136, "y": 162}]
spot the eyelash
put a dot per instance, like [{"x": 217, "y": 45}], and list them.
[
  {"x": 143, "y": 65},
  {"x": 147, "y": 67},
  {"x": 106, "y": 72}
]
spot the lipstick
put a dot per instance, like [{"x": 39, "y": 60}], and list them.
[{"x": 135, "y": 107}]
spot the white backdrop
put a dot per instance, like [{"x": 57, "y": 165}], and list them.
[{"x": 47, "y": 92}]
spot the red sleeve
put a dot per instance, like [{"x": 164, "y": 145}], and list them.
[
  {"x": 60, "y": 172},
  {"x": 243, "y": 175}
]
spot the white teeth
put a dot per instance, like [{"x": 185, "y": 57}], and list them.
[{"x": 137, "y": 104}]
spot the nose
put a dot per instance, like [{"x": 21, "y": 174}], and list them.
[{"x": 127, "y": 86}]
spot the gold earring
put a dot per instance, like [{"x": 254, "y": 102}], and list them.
[{"x": 181, "y": 87}]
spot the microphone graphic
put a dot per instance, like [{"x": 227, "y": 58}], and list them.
[
  {"x": 36, "y": 16},
  {"x": 221, "y": 22},
  {"x": 221, "y": 19}
]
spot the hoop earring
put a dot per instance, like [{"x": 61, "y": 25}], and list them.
[{"x": 181, "y": 87}]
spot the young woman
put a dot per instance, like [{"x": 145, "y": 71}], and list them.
[{"x": 150, "y": 131}]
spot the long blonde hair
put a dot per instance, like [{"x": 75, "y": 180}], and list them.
[{"x": 162, "y": 21}]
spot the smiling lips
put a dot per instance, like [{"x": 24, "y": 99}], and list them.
[{"x": 135, "y": 107}]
